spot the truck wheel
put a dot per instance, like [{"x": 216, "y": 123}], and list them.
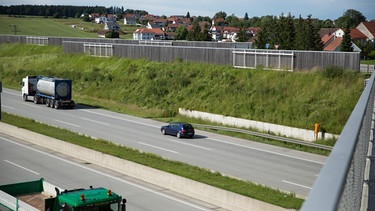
[
  {"x": 24, "y": 97},
  {"x": 57, "y": 105},
  {"x": 48, "y": 102},
  {"x": 36, "y": 99}
]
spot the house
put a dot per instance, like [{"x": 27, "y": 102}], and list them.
[
  {"x": 368, "y": 29},
  {"x": 111, "y": 25},
  {"x": 153, "y": 26},
  {"x": 148, "y": 34},
  {"x": 100, "y": 20},
  {"x": 332, "y": 40},
  {"x": 216, "y": 32},
  {"x": 130, "y": 21}
]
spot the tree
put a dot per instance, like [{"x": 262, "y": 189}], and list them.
[
  {"x": 285, "y": 34},
  {"x": 193, "y": 34},
  {"x": 204, "y": 35},
  {"x": 56, "y": 15},
  {"x": 233, "y": 21},
  {"x": 351, "y": 18},
  {"x": 346, "y": 42},
  {"x": 366, "y": 48},
  {"x": 220, "y": 14},
  {"x": 246, "y": 17},
  {"x": 112, "y": 34},
  {"x": 307, "y": 36},
  {"x": 181, "y": 33},
  {"x": 86, "y": 17},
  {"x": 241, "y": 36}
]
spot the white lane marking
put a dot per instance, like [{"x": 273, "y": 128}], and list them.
[
  {"x": 153, "y": 146},
  {"x": 267, "y": 151},
  {"x": 111, "y": 176},
  {"x": 193, "y": 145},
  {"x": 296, "y": 184},
  {"x": 66, "y": 123},
  {"x": 114, "y": 117},
  {"x": 7, "y": 107},
  {"x": 15, "y": 164},
  {"x": 91, "y": 120}
]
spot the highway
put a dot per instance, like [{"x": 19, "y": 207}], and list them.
[
  {"x": 21, "y": 161},
  {"x": 272, "y": 166}
]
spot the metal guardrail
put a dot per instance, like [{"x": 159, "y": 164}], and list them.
[
  {"x": 368, "y": 68},
  {"x": 264, "y": 135},
  {"x": 343, "y": 181}
]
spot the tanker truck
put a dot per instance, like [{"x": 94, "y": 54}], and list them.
[
  {"x": 40, "y": 195},
  {"x": 52, "y": 91}
]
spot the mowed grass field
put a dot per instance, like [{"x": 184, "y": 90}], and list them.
[{"x": 41, "y": 26}]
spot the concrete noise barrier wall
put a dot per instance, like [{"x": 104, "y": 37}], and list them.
[
  {"x": 292, "y": 132},
  {"x": 203, "y": 192}
]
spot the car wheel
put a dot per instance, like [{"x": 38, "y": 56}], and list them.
[
  {"x": 163, "y": 132},
  {"x": 178, "y": 135}
]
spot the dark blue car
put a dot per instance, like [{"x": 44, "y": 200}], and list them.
[{"x": 179, "y": 129}]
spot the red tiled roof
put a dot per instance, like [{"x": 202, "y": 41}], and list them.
[
  {"x": 370, "y": 26},
  {"x": 356, "y": 34},
  {"x": 156, "y": 31},
  {"x": 332, "y": 46},
  {"x": 326, "y": 38}
]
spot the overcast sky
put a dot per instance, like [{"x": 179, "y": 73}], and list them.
[{"x": 322, "y": 9}]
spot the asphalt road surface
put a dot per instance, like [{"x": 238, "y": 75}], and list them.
[
  {"x": 21, "y": 161},
  {"x": 272, "y": 166}
]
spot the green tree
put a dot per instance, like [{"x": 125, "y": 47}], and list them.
[
  {"x": 351, "y": 18},
  {"x": 241, "y": 36},
  {"x": 285, "y": 32},
  {"x": 220, "y": 14},
  {"x": 307, "y": 36},
  {"x": 346, "y": 42},
  {"x": 112, "y": 34},
  {"x": 86, "y": 17},
  {"x": 56, "y": 15},
  {"x": 233, "y": 21},
  {"x": 193, "y": 34},
  {"x": 181, "y": 33},
  {"x": 246, "y": 17},
  {"x": 204, "y": 35},
  {"x": 300, "y": 34}
]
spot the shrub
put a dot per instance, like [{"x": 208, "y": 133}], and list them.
[
  {"x": 371, "y": 55},
  {"x": 333, "y": 72},
  {"x": 112, "y": 34}
]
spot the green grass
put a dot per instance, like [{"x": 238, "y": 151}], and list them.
[
  {"x": 38, "y": 26},
  {"x": 368, "y": 62},
  {"x": 41, "y": 26},
  {"x": 246, "y": 188},
  {"x": 297, "y": 99}
]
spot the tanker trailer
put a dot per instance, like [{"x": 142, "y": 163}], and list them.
[{"x": 52, "y": 91}]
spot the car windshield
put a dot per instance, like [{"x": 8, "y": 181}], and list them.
[{"x": 187, "y": 126}]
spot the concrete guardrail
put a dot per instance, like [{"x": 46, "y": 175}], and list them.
[{"x": 203, "y": 192}]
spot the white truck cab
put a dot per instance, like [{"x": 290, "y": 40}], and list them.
[{"x": 29, "y": 87}]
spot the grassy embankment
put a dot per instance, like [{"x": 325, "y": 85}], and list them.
[
  {"x": 40, "y": 26},
  {"x": 297, "y": 99},
  {"x": 156, "y": 90}
]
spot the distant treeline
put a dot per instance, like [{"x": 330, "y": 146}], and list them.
[{"x": 64, "y": 10}]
